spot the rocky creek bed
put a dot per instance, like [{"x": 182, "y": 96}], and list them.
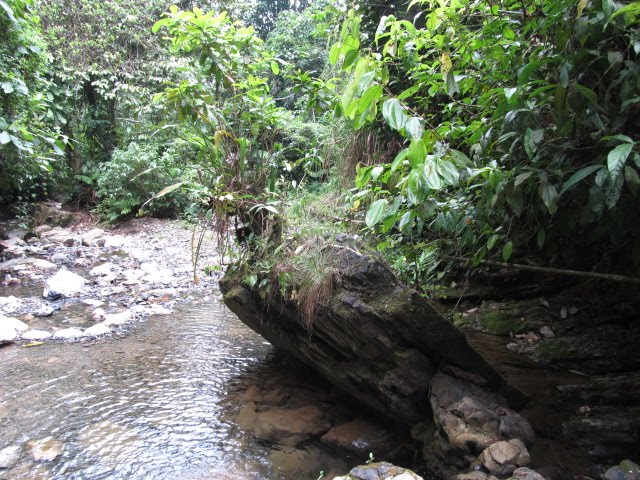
[{"x": 114, "y": 364}]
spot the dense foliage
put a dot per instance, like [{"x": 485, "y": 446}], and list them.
[{"x": 29, "y": 138}]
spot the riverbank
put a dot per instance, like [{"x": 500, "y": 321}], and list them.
[{"x": 181, "y": 388}]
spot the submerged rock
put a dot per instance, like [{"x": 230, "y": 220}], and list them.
[{"x": 359, "y": 436}]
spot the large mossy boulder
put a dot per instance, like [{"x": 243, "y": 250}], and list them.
[{"x": 371, "y": 336}]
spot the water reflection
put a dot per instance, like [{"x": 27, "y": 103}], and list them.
[{"x": 159, "y": 403}]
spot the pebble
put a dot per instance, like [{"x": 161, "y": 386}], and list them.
[
  {"x": 67, "y": 334},
  {"x": 46, "y": 449},
  {"x": 117, "y": 319},
  {"x": 44, "y": 311},
  {"x": 9, "y": 456},
  {"x": 36, "y": 335},
  {"x": 97, "y": 330},
  {"x": 546, "y": 332}
]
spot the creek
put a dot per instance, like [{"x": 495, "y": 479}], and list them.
[{"x": 156, "y": 403}]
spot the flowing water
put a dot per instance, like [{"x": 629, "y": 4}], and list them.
[{"x": 157, "y": 403}]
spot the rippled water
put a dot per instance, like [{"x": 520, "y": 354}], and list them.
[{"x": 155, "y": 404}]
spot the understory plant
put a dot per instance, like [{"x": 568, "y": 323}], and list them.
[{"x": 518, "y": 124}]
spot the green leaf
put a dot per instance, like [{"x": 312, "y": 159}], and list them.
[
  {"x": 492, "y": 241},
  {"x": 448, "y": 172},
  {"x": 532, "y": 139},
  {"x": 334, "y": 53},
  {"x": 250, "y": 280},
  {"x": 579, "y": 175},
  {"x": 507, "y": 250},
  {"x": 525, "y": 72},
  {"x": 452, "y": 85},
  {"x": 541, "y": 238},
  {"x": 164, "y": 192},
  {"x": 414, "y": 127},
  {"x": 376, "y": 172},
  {"x": 376, "y": 212},
  {"x": 434, "y": 181},
  {"x": 405, "y": 220},
  {"x": 275, "y": 68},
  {"x": 617, "y": 158},
  {"x": 633, "y": 180},
  {"x": 521, "y": 178},
  {"x": 394, "y": 114},
  {"x": 417, "y": 152},
  {"x": 415, "y": 188},
  {"x": 549, "y": 196},
  {"x": 399, "y": 159}
]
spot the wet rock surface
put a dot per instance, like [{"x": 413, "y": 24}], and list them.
[{"x": 380, "y": 471}]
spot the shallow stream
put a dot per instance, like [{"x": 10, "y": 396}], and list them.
[{"x": 157, "y": 403}]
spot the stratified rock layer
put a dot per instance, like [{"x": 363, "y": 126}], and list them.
[
  {"x": 390, "y": 349},
  {"x": 374, "y": 338}
]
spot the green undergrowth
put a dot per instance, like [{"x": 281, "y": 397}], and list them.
[{"x": 298, "y": 267}]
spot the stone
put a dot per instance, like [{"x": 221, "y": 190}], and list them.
[
  {"x": 290, "y": 426},
  {"x": 611, "y": 431},
  {"x": 98, "y": 314},
  {"x": 359, "y": 436},
  {"x": 97, "y": 330},
  {"x": 502, "y": 458},
  {"x": 475, "y": 475},
  {"x": 92, "y": 302},
  {"x": 67, "y": 334},
  {"x": 10, "y": 304},
  {"x": 379, "y": 471},
  {"x": 14, "y": 323},
  {"x": 10, "y": 329},
  {"x": 117, "y": 319},
  {"x": 158, "y": 310},
  {"x": 44, "y": 311},
  {"x": 59, "y": 258},
  {"x": 93, "y": 238},
  {"x": 51, "y": 213},
  {"x": 36, "y": 335},
  {"x": 524, "y": 473},
  {"x": 389, "y": 365},
  {"x": 63, "y": 284},
  {"x": 9, "y": 456},
  {"x": 471, "y": 418},
  {"x": 46, "y": 449},
  {"x": 625, "y": 470},
  {"x": 103, "y": 270},
  {"x": 42, "y": 264},
  {"x": 546, "y": 332}
]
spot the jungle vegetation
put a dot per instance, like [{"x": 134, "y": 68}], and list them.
[{"x": 436, "y": 129}]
